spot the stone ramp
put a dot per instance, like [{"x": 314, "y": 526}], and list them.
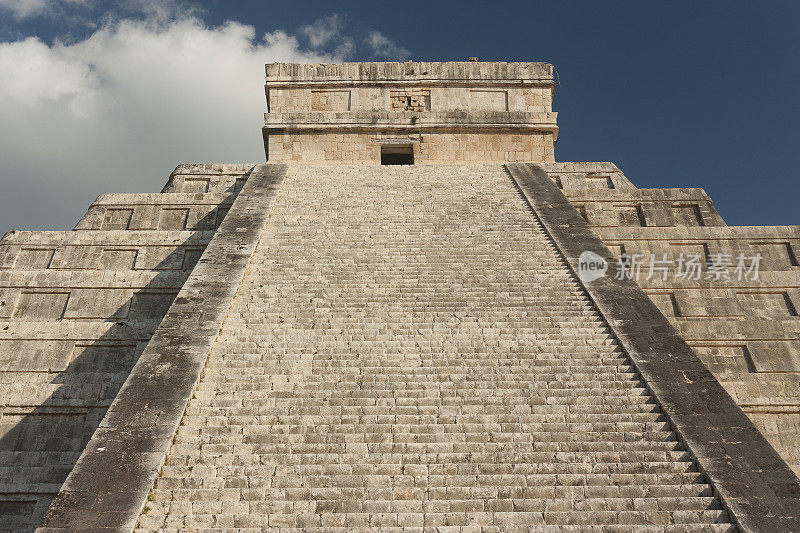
[
  {"x": 745, "y": 329},
  {"x": 408, "y": 350},
  {"x": 77, "y": 308},
  {"x": 108, "y": 486}
]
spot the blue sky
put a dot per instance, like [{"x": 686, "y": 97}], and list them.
[{"x": 100, "y": 97}]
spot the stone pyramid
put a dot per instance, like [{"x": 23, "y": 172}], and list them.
[{"x": 410, "y": 318}]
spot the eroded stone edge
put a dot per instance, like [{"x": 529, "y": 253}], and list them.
[
  {"x": 108, "y": 487},
  {"x": 755, "y": 484}
]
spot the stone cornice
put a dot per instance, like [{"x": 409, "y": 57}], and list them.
[
  {"x": 346, "y": 84},
  {"x": 441, "y": 121},
  {"x": 471, "y": 72}
]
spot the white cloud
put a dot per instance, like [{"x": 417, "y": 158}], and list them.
[
  {"x": 22, "y": 9},
  {"x": 117, "y": 111},
  {"x": 327, "y": 31},
  {"x": 383, "y": 47},
  {"x": 36, "y": 76},
  {"x": 72, "y": 12},
  {"x": 160, "y": 11}
]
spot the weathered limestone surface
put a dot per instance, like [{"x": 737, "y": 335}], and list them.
[
  {"x": 135, "y": 434},
  {"x": 213, "y": 178},
  {"x": 747, "y": 332},
  {"x": 446, "y": 112},
  {"x": 429, "y": 149},
  {"x": 443, "y": 72},
  {"x": 164, "y": 211},
  {"x": 74, "y": 298},
  {"x": 408, "y": 350},
  {"x": 756, "y": 485},
  {"x": 77, "y": 308}
]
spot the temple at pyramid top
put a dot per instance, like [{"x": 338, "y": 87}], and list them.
[{"x": 409, "y": 113}]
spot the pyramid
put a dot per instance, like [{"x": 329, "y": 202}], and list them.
[{"x": 410, "y": 318}]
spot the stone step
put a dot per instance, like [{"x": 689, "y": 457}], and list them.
[
  {"x": 337, "y": 519},
  {"x": 419, "y": 437},
  {"x": 409, "y": 351},
  {"x": 434, "y": 394},
  {"x": 456, "y": 519},
  {"x": 102, "y": 250},
  {"x": 96, "y": 280},
  {"x": 293, "y": 503},
  {"x": 451, "y": 358},
  {"x": 47, "y": 300},
  {"x": 547, "y": 461},
  {"x": 315, "y": 425},
  {"x": 447, "y": 407},
  {"x": 252, "y": 373},
  {"x": 163, "y": 212},
  {"x": 469, "y": 486},
  {"x": 582, "y": 343},
  {"x": 216, "y": 178},
  {"x": 581, "y": 473},
  {"x": 130, "y": 238},
  {"x": 357, "y": 492},
  {"x": 418, "y": 381},
  {"x": 555, "y": 366},
  {"x": 571, "y": 420},
  {"x": 356, "y": 451}
]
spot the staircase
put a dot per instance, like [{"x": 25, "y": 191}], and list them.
[
  {"x": 408, "y": 351},
  {"x": 77, "y": 309}
]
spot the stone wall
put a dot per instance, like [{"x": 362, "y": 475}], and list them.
[
  {"x": 77, "y": 308},
  {"x": 452, "y": 112},
  {"x": 428, "y": 148},
  {"x": 746, "y": 331},
  {"x": 473, "y": 72},
  {"x": 409, "y": 98}
]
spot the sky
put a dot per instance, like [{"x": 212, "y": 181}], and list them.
[{"x": 100, "y": 97}]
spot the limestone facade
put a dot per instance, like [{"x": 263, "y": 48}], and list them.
[
  {"x": 432, "y": 148},
  {"x": 395, "y": 359},
  {"x": 746, "y": 331},
  {"x": 445, "y": 113},
  {"x": 465, "y": 291},
  {"x": 77, "y": 308}
]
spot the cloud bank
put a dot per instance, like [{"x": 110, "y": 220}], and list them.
[
  {"x": 118, "y": 110},
  {"x": 22, "y": 9}
]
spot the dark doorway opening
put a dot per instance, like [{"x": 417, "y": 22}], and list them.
[{"x": 397, "y": 155}]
